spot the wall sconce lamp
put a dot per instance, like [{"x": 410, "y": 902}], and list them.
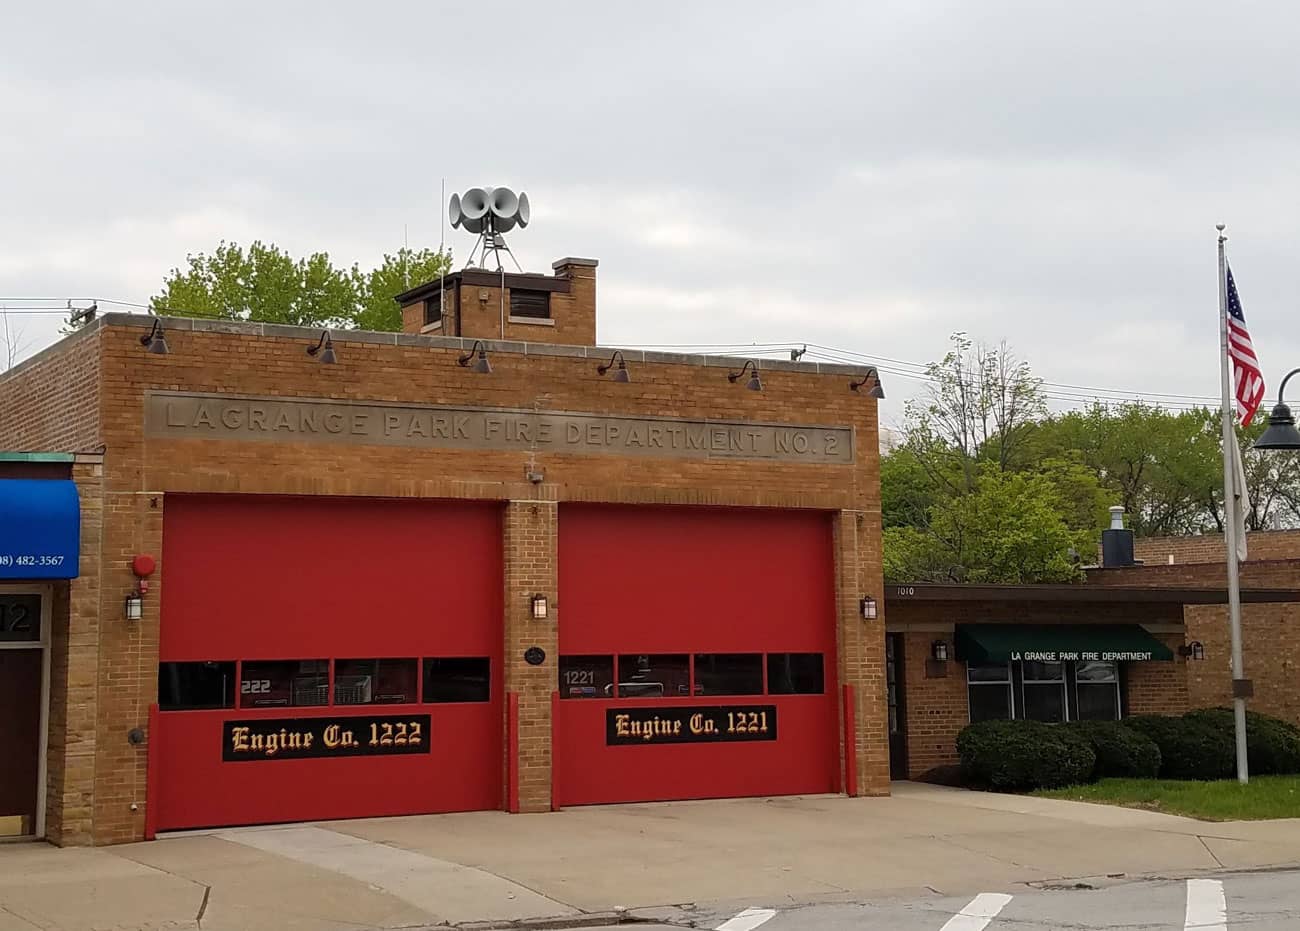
[
  {"x": 868, "y": 608},
  {"x": 872, "y": 377},
  {"x": 323, "y": 351},
  {"x": 154, "y": 340},
  {"x": 620, "y": 374},
  {"x": 539, "y": 606},
  {"x": 754, "y": 384},
  {"x": 481, "y": 364},
  {"x": 939, "y": 651},
  {"x": 134, "y": 608},
  {"x": 1193, "y": 650}
]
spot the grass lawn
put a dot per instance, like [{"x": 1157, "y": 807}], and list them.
[{"x": 1264, "y": 797}]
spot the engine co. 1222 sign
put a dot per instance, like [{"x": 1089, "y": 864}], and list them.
[
  {"x": 683, "y": 725},
  {"x": 303, "y": 738}
]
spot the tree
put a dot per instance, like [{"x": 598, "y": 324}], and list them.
[
  {"x": 11, "y": 340},
  {"x": 980, "y": 405},
  {"x": 266, "y": 284},
  {"x": 397, "y": 273},
  {"x": 1008, "y": 529}
]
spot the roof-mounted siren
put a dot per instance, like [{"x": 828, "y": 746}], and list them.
[{"x": 489, "y": 212}]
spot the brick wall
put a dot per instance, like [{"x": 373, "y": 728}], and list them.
[
  {"x": 935, "y": 705},
  {"x": 50, "y": 402},
  {"x": 1208, "y": 548},
  {"x": 220, "y": 357}
]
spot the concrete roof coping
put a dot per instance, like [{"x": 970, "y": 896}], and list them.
[
  {"x": 573, "y": 260},
  {"x": 463, "y": 344},
  {"x": 36, "y": 457}
]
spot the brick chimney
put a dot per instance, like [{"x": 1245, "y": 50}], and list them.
[{"x": 559, "y": 308}]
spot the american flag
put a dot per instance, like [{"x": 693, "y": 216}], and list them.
[{"x": 1247, "y": 378}]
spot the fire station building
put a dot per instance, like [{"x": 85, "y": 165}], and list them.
[{"x": 249, "y": 573}]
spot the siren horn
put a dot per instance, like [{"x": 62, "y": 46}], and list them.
[
  {"x": 504, "y": 206},
  {"x": 453, "y": 211},
  {"x": 474, "y": 205},
  {"x": 524, "y": 211}
]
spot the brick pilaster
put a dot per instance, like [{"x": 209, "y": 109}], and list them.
[
  {"x": 529, "y": 542},
  {"x": 861, "y": 647}
]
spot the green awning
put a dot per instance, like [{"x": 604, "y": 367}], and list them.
[{"x": 1051, "y": 643}]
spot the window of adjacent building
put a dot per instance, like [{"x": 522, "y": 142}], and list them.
[
  {"x": 1043, "y": 691},
  {"x": 457, "y": 679},
  {"x": 654, "y": 675},
  {"x": 374, "y": 681},
  {"x": 989, "y": 688},
  {"x": 191, "y": 686},
  {"x": 728, "y": 673},
  {"x": 524, "y": 303},
  {"x": 796, "y": 674},
  {"x": 586, "y": 676},
  {"x": 1096, "y": 691},
  {"x": 432, "y": 310},
  {"x": 296, "y": 682}
]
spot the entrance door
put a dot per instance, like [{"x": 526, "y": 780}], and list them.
[
  {"x": 20, "y": 740},
  {"x": 897, "y": 708}
]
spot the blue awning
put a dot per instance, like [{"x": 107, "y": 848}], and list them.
[{"x": 40, "y": 529}]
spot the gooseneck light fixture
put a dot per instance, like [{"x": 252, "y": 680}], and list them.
[
  {"x": 481, "y": 364},
  {"x": 620, "y": 374},
  {"x": 1281, "y": 432},
  {"x": 754, "y": 383},
  {"x": 154, "y": 341},
  {"x": 323, "y": 351},
  {"x": 871, "y": 377}
]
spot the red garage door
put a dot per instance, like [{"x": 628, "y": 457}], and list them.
[
  {"x": 697, "y": 654},
  {"x": 327, "y": 658}
]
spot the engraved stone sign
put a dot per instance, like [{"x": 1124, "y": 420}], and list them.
[{"x": 176, "y": 415}]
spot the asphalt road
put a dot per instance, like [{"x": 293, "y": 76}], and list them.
[{"x": 1263, "y": 901}]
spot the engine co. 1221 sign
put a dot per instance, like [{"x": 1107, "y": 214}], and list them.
[
  {"x": 303, "y": 738},
  {"x": 682, "y": 725}
]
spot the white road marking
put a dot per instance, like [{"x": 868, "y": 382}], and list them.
[
  {"x": 749, "y": 919},
  {"x": 978, "y": 912},
  {"x": 1207, "y": 908}
]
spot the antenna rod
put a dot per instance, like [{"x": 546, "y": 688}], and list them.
[{"x": 442, "y": 258}]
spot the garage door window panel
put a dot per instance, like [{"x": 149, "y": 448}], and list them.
[
  {"x": 728, "y": 673},
  {"x": 587, "y": 676},
  {"x": 796, "y": 674},
  {"x": 661, "y": 675},
  {"x": 452, "y": 679},
  {"x": 297, "y": 683},
  {"x": 194, "y": 686},
  {"x": 375, "y": 681}
]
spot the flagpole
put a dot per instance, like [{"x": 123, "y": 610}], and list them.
[{"x": 1230, "y": 522}]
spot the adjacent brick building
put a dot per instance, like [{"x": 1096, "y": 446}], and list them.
[{"x": 450, "y": 570}]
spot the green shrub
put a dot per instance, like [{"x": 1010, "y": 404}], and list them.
[
  {"x": 1272, "y": 745},
  {"x": 1024, "y": 755},
  {"x": 1190, "y": 748},
  {"x": 1122, "y": 752}
]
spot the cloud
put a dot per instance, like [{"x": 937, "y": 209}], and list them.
[{"x": 867, "y": 176}]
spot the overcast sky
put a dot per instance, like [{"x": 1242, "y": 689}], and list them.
[{"x": 868, "y": 176}]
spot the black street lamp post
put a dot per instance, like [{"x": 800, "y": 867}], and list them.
[{"x": 1281, "y": 432}]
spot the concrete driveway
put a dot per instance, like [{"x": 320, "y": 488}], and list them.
[{"x": 713, "y": 857}]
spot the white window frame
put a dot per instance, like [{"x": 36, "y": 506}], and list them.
[
  {"x": 1008, "y": 684},
  {"x": 1065, "y": 693},
  {"x": 1114, "y": 665},
  {"x": 46, "y": 593}
]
